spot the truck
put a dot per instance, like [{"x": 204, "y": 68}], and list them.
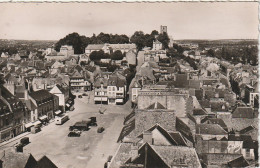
[{"x": 84, "y": 124}]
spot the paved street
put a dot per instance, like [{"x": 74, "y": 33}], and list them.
[{"x": 91, "y": 149}]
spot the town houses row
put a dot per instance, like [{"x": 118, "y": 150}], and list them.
[{"x": 183, "y": 117}]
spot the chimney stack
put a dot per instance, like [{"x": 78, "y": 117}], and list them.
[{"x": 147, "y": 137}]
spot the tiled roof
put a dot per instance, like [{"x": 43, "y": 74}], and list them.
[
  {"x": 100, "y": 81},
  {"x": 19, "y": 160},
  {"x": 218, "y": 121},
  {"x": 163, "y": 132},
  {"x": 178, "y": 156},
  {"x": 116, "y": 81},
  {"x": 122, "y": 155},
  {"x": 146, "y": 119},
  {"x": 210, "y": 129},
  {"x": 95, "y": 46},
  {"x": 238, "y": 124}
]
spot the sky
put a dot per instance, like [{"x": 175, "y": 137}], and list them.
[{"x": 184, "y": 20}]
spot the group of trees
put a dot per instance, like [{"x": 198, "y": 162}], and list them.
[
  {"x": 79, "y": 42},
  {"x": 141, "y": 40},
  {"x": 146, "y": 40},
  {"x": 237, "y": 55},
  {"x": 98, "y": 55}
]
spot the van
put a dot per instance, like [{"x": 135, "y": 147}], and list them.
[{"x": 61, "y": 120}]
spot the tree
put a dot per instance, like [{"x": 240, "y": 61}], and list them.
[
  {"x": 164, "y": 39},
  {"x": 117, "y": 55},
  {"x": 211, "y": 53},
  {"x": 78, "y": 42},
  {"x": 105, "y": 38},
  {"x": 97, "y": 55},
  {"x": 154, "y": 32},
  {"x": 139, "y": 39}
]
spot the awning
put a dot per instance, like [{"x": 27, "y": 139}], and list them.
[
  {"x": 37, "y": 123},
  {"x": 44, "y": 117},
  {"x": 28, "y": 125},
  {"x": 58, "y": 112}
]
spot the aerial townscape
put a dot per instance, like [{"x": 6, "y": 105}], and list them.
[{"x": 146, "y": 100}]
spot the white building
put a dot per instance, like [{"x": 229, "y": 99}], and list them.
[
  {"x": 63, "y": 94},
  {"x": 67, "y": 50},
  {"x": 116, "y": 90},
  {"x": 157, "y": 45}
]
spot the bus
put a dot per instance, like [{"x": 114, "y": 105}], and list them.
[{"x": 61, "y": 120}]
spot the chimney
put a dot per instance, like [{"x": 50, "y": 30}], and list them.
[
  {"x": 147, "y": 137},
  {"x": 26, "y": 94},
  {"x": 134, "y": 151}
]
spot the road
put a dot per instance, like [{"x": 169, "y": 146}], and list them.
[{"x": 91, "y": 149}]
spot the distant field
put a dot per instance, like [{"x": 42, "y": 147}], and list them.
[{"x": 226, "y": 42}]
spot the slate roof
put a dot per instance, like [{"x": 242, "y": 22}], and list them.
[
  {"x": 178, "y": 137},
  {"x": 243, "y": 112},
  {"x": 45, "y": 162},
  {"x": 156, "y": 105},
  {"x": 184, "y": 129},
  {"x": 210, "y": 129},
  {"x": 40, "y": 95},
  {"x": 247, "y": 129},
  {"x": 199, "y": 112},
  {"x": 129, "y": 117},
  {"x": 218, "y": 106},
  {"x": 238, "y": 162},
  {"x": 126, "y": 130}
]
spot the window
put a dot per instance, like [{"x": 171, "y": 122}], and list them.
[{"x": 247, "y": 152}]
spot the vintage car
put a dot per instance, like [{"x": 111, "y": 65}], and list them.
[
  {"x": 24, "y": 141},
  {"x": 100, "y": 129},
  {"x": 74, "y": 134}
]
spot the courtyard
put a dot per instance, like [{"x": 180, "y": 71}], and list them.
[{"x": 91, "y": 149}]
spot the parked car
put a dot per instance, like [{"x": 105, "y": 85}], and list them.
[
  {"x": 24, "y": 141},
  {"x": 80, "y": 96},
  {"x": 77, "y": 131},
  {"x": 19, "y": 147},
  {"x": 108, "y": 161},
  {"x": 100, "y": 129},
  {"x": 73, "y": 134},
  {"x": 93, "y": 121}
]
